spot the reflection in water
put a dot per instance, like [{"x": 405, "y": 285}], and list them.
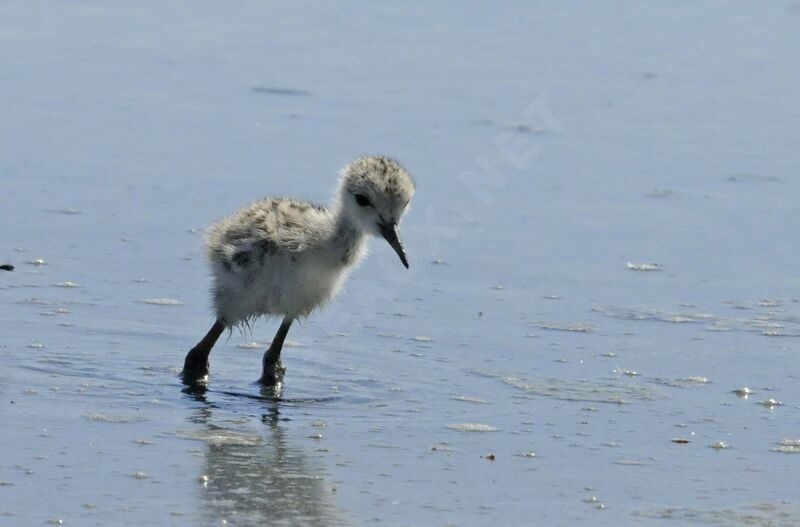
[{"x": 256, "y": 478}]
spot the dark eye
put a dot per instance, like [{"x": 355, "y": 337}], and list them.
[{"x": 362, "y": 200}]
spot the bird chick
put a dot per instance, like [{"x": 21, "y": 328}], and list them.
[{"x": 283, "y": 257}]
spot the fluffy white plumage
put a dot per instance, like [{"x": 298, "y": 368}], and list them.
[{"x": 286, "y": 257}]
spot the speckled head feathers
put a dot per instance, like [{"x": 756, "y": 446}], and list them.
[
  {"x": 374, "y": 194},
  {"x": 378, "y": 177},
  {"x": 376, "y": 184}
]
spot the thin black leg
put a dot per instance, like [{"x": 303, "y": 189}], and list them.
[
  {"x": 195, "y": 367},
  {"x": 272, "y": 369}
]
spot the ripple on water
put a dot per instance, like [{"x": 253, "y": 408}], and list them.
[
  {"x": 662, "y": 193},
  {"x": 645, "y": 266},
  {"x": 769, "y": 514},
  {"x": 576, "y": 327},
  {"x": 33, "y": 301},
  {"x": 161, "y": 301},
  {"x": 220, "y": 436},
  {"x": 467, "y": 399},
  {"x": 65, "y": 211},
  {"x": 757, "y": 178},
  {"x": 472, "y": 427},
  {"x": 682, "y": 382},
  {"x": 263, "y": 345},
  {"x": 280, "y": 90},
  {"x": 769, "y": 324},
  {"x": 634, "y": 313},
  {"x": 597, "y": 391},
  {"x": 106, "y": 418},
  {"x": 788, "y": 446}
]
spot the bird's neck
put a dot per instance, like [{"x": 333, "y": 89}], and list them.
[{"x": 347, "y": 239}]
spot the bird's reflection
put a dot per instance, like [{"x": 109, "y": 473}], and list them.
[{"x": 258, "y": 477}]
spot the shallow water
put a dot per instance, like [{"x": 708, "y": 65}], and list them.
[{"x": 603, "y": 250}]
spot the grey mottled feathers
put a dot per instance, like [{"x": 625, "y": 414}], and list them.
[{"x": 266, "y": 228}]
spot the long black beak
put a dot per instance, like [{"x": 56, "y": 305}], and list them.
[{"x": 392, "y": 235}]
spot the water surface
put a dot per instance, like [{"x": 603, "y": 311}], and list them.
[{"x": 603, "y": 249}]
